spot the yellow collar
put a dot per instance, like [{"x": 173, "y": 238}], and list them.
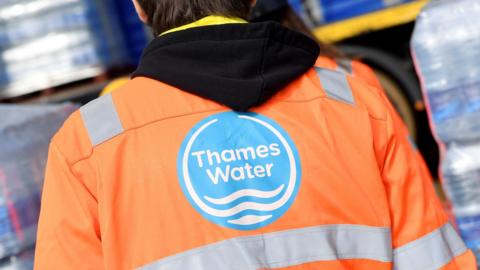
[{"x": 209, "y": 20}]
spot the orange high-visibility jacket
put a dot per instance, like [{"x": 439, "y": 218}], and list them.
[
  {"x": 363, "y": 72},
  {"x": 160, "y": 175}
]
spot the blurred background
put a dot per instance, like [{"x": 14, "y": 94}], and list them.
[
  {"x": 68, "y": 50},
  {"x": 56, "y": 55}
]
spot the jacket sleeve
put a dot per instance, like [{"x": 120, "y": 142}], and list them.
[
  {"x": 68, "y": 232},
  {"x": 422, "y": 238},
  {"x": 403, "y": 134}
]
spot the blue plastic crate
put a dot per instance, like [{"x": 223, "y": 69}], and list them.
[
  {"x": 337, "y": 10},
  {"x": 329, "y": 11}
]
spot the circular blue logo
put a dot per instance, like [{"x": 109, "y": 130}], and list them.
[{"x": 239, "y": 170}]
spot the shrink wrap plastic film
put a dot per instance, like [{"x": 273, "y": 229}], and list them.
[
  {"x": 446, "y": 51},
  {"x": 25, "y": 134},
  {"x": 45, "y": 43}
]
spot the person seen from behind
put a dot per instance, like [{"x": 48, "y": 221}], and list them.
[{"x": 232, "y": 149}]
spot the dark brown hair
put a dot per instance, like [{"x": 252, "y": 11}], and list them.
[
  {"x": 164, "y": 15},
  {"x": 291, "y": 20},
  {"x": 285, "y": 15}
]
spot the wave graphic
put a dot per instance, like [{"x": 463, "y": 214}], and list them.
[
  {"x": 247, "y": 219},
  {"x": 201, "y": 202},
  {"x": 245, "y": 193},
  {"x": 250, "y": 220}
]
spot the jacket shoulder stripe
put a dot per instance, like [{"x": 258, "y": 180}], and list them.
[
  {"x": 345, "y": 66},
  {"x": 432, "y": 251},
  {"x": 336, "y": 85},
  {"x": 101, "y": 120}
]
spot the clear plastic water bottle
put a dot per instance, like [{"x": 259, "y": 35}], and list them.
[
  {"x": 446, "y": 50},
  {"x": 461, "y": 172},
  {"x": 461, "y": 175}
]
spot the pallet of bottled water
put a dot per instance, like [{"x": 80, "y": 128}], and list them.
[
  {"x": 446, "y": 50},
  {"x": 45, "y": 43},
  {"x": 25, "y": 134}
]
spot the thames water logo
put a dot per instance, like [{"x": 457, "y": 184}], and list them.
[{"x": 239, "y": 170}]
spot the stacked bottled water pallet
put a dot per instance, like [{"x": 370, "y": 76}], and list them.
[
  {"x": 44, "y": 43},
  {"x": 25, "y": 134},
  {"x": 446, "y": 49}
]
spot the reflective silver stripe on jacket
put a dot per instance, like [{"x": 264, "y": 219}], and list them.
[
  {"x": 335, "y": 85},
  {"x": 345, "y": 65},
  {"x": 287, "y": 248},
  {"x": 101, "y": 120},
  {"x": 430, "y": 252}
]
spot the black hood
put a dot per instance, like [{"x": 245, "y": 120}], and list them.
[{"x": 237, "y": 65}]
